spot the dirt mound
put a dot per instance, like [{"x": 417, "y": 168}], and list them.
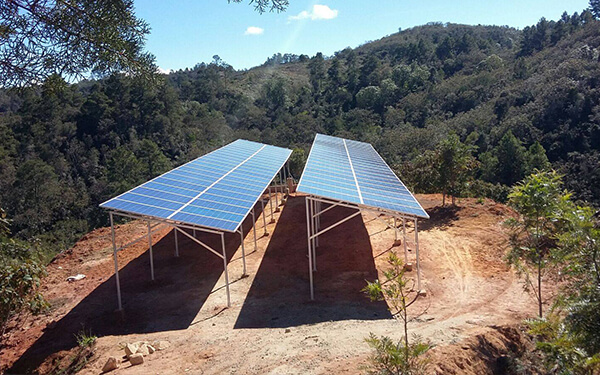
[{"x": 492, "y": 352}]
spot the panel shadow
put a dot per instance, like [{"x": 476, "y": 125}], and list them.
[
  {"x": 171, "y": 302},
  {"x": 279, "y": 296}
]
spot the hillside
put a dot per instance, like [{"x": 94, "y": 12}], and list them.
[
  {"x": 517, "y": 98},
  {"x": 272, "y": 327}
]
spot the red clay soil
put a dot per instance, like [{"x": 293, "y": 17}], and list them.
[{"x": 272, "y": 326}]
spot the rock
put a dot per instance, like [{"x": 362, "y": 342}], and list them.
[
  {"x": 150, "y": 349},
  {"x": 77, "y": 277},
  {"x": 422, "y": 293},
  {"x": 136, "y": 359},
  {"x": 161, "y": 345},
  {"x": 130, "y": 349},
  {"x": 111, "y": 364},
  {"x": 287, "y": 330},
  {"x": 143, "y": 350},
  {"x": 408, "y": 267}
]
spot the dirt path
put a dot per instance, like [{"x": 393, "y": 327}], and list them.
[{"x": 272, "y": 327}]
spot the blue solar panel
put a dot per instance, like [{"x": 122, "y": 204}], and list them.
[
  {"x": 217, "y": 190},
  {"x": 354, "y": 172}
]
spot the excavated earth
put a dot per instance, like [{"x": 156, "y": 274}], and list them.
[{"x": 471, "y": 312}]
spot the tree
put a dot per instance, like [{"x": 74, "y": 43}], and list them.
[
  {"x": 316, "y": 68},
  {"x": 39, "y": 196},
  {"x": 454, "y": 164},
  {"x": 595, "y": 8},
  {"x": 153, "y": 161},
  {"x": 71, "y": 38},
  {"x": 536, "y": 158},
  {"x": 579, "y": 246},
  {"x": 399, "y": 292},
  {"x": 511, "y": 159},
  {"x": 537, "y": 199}
]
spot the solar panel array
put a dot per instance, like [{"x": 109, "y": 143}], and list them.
[
  {"x": 354, "y": 172},
  {"x": 216, "y": 191}
]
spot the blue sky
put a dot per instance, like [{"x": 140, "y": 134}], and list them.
[{"x": 187, "y": 32}]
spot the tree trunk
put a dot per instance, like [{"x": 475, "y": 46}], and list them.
[
  {"x": 540, "y": 285},
  {"x": 443, "y": 198}
]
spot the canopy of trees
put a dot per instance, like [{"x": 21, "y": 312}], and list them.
[{"x": 512, "y": 108}]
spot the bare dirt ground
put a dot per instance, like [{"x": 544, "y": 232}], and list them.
[{"x": 272, "y": 326}]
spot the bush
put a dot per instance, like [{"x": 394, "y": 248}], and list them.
[
  {"x": 390, "y": 358},
  {"x": 20, "y": 275}
]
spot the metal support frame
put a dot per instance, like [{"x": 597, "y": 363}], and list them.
[
  {"x": 417, "y": 253},
  {"x": 225, "y": 268},
  {"x": 112, "y": 230},
  {"x": 271, "y": 205},
  {"x": 176, "y": 242},
  {"x": 313, "y": 220},
  {"x": 243, "y": 249},
  {"x": 404, "y": 240},
  {"x": 176, "y": 228},
  {"x": 310, "y": 255},
  {"x": 254, "y": 228},
  {"x": 151, "y": 255},
  {"x": 264, "y": 216}
]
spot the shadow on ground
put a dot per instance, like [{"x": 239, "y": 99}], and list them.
[
  {"x": 171, "y": 302},
  {"x": 279, "y": 296},
  {"x": 440, "y": 217}
]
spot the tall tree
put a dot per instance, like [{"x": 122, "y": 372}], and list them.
[
  {"x": 71, "y": 38},
  {"x": 454, "y": 164},
  {"x": 511, "y": 159},
  {"x": 537, "y": 199},
  {"x": 595, "y": 8}
]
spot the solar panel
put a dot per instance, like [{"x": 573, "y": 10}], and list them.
[
  {"x": 216, "y": 190},
  {"x": 354, "y": 172}
]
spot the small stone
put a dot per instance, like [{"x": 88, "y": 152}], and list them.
[
  {"x": 408, "y": 267},
  {"x": 422, "y": 293},
  {"x": 287, "y": 330},
  {"x": 143, "y": 350},
  {"x": 136, "y": 359},
  {"x": 161, "y": 345},
  {"x": 150, "y": 349},
  {"x": 130, "y": 349},
  {"x": 111, "y": 364}
]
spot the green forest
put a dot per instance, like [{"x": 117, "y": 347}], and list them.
[{"x": 513, "y": 100}]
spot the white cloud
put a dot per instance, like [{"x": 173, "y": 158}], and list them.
[
  {"x": 253, "y": 30},
  {"x": 164, "y": 71},
  {"x": 318, "y": 12}
]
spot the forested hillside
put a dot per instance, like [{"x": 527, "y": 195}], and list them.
[{"x": 513, "y": 100}]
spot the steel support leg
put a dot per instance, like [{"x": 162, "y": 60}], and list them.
[
  {"x": 176, "y": 243},
  {"x": 310, "y": 255},
  {"x": 112, "y": 229},
  {"x": 271, "y": 205},
  {"x": 225, "y": 268},
  {"x": 243, "y": 249},
  {"x": 404, "y": 240},
  {"x": 417, "y": 253},
  {"x": 395, "y": 231},
  {"x": 254, "y": 228},
  {"x": 151, "y": 255},
  {"x": 264, "y": 215},
  {"x": 313, "y": 230}
]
